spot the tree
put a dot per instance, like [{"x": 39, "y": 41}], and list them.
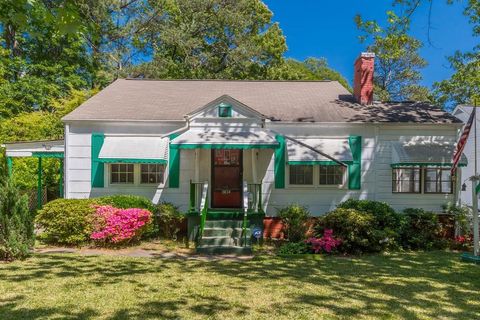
[
  {"x": 223, "y": 39},
  {"x": 16, "y": 223},
  {"x": 310, "y": 69},
  {"x": 42, "y": 55},
  {"x": 398, "y": 63},
  {"x": 463, "y": 87}
]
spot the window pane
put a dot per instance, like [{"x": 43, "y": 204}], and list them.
[
  {"x": 430, "y": 187},
  {"x": 114, "y": 178},
  {"x": 331, "y": 175},
  {"x": 406, "y": 180},
  {"x": 446, "y": 187},
  {"x": 302, "y": 175}
]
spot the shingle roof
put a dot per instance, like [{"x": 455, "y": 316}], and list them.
[{"x": 318, "y": 101}]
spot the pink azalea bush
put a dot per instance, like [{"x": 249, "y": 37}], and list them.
[
  {"x": 324, "y": 244},
  {"x": 114, "y": 225}
]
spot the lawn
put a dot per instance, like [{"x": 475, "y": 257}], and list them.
[{"x": 433, "y": 285}]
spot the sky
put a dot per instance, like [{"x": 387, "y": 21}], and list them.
[{"x": 325, "y": 28}]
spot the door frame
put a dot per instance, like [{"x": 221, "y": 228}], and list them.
[{"x": 212, "y": 177}]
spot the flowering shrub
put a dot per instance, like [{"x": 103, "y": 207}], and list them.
[
  {"x": 462, "y": 242},
  {"x": 326, "y": 243},
  {"x": 114, "y": 225}
]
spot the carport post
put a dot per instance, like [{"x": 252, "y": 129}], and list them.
[
  {"x": 9, "y": 166},
  {"x": 39, "y": 184},
  {"x": 60, "y": 182}
]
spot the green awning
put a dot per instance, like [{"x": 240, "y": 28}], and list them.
[
  {"x": 134, "y": 149},
  {"x": 424, "y": 154}
]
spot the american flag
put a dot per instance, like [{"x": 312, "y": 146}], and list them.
[{"x": 462, "y": 142}]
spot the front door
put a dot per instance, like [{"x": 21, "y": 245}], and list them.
[{"x": 226, "y": 178}]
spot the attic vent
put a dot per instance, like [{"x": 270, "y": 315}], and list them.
[{"x": 224, "y": 110}]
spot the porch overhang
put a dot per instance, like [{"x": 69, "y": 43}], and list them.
[
  {"x": 128, "y": 149},
  {"x": 424, "y": 154},
  {"x": 38, "y": 149},
  {"x": 198, "y": 138}
]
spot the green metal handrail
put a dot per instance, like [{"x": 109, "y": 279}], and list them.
[
  {"x": 203, "y": 209},
  {"x": 245, "y": 212}
]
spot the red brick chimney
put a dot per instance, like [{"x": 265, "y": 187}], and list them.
[{"x": 363, "y": 78}]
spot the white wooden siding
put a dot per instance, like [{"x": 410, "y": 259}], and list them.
[{"x": 376, "y": 171}]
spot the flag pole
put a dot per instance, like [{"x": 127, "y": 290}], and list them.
[{"x": 474, "y": 190}]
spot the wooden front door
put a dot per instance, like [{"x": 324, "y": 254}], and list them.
[{"x": 227, "y": 178}]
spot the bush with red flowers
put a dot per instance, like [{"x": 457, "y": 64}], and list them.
[
  {"x": 119, "y": 226},
  {"x": 327, "y": 243}
]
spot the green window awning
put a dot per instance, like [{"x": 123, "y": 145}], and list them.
[
  {"x": 336, "y": 148},
  {"x": 134, "y": 149},
  {"x": 208, "y": 138},
  {"x": 423, "y": 154}
]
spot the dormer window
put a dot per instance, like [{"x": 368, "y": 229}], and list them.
[{"x": 224, "y": 111}]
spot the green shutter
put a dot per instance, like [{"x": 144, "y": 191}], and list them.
[
  {"x": 97, "y": 167},
  {"x": 355, "y": 168},
  {"x": 280, "y": 162},
  {"x": 174, "y": 163}
]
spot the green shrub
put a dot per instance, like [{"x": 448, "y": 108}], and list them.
[
  {"x": 66, "y": 221},
  {"x": 294, "y": 218},
  {"x": 293, "y": 248},
  {"x": 126, "y": 202},
  {"x": 421, "y": 230},
  {"x": 16, "y": 223},
  {"x": 168, "y": 219},
  {"x": 355, "y": 228},
  {"x": 385, "y": 216}
]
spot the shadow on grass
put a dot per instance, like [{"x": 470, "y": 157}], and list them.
[{"x": 405, "y": 285}]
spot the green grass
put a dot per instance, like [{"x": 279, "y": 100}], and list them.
[{"x": 433, "y": 285}]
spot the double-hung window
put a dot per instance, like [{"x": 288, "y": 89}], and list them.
[
  {"x": 121, "y": 173},
  {"x": 406, "y": 180},
  {"x": 331, "y": 175},
  {"x": 301, "y": 175},
  {"x": 438, "y": 180},
  {"x": 411, "y": 180},
  {"x": 152, "y": 173}
]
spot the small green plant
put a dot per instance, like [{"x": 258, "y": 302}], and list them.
[
  {"x": 461, "y": 216},
  {"x": 66, "y": 221},
  {"x": 294, "y": 218},
  {"x": 293, "y": 248},
  {"x": 168, "y": 220},
  {"x": 421, "y": 230},
  {"x": 16, "y": 223}
]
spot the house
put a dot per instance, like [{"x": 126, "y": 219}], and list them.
[
  {"x": 463, "y": 113},
  {"x": 233, "y": 149}
]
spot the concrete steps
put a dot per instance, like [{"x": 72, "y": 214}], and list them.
[{"x": 224, "y": 237}]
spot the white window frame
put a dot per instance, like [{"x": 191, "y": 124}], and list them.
[
  {"x": 316, "y": 180},
  {"x": 120, "y": 183},
  {"x": 136, "y": 178}
]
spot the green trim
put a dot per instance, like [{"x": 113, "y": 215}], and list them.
[
  {"x": 477, "y": 189},
  {"x": 113, "y": 160},
  {"x": 98, "y": 170},
  {"x": 355, "y": 168},
  {"x": 280, "y": 160},
  {"x": 222, "y": 146},
  {"x": 424, "y": 164},
  {"x": 9, "y": 166},
  {"x": 39, "y": 184},
  {"x": 317, "y": 162},
  {"x": 224, "y": 110},
  {"x": 43, "y": 154},
  {"x": 60, "y": 180},
  {"x": 174, "y": 164}
]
